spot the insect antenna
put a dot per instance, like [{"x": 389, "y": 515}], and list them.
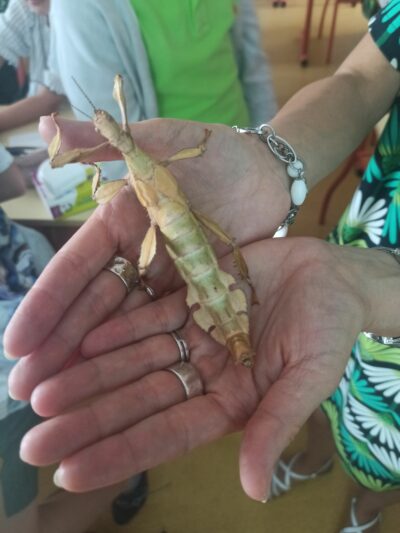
[
  {"x": 80, "y": 111},
  {"x": 84, "y": 94}
]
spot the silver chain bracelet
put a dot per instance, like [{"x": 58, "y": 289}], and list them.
[
  {"x": 388, "y": 341},
  {"x": 283, "y": 151}
]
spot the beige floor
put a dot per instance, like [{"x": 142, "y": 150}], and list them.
[{"x": 201, "y": 493}]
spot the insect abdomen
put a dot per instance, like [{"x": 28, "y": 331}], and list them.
[{"x": 222, "y": 311}]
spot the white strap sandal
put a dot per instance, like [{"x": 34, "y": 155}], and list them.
[
  {"x": 283, "y": 475},
  {"x": 355, "y": 526}
]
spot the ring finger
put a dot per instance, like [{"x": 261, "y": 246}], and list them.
[{"x": 102, "y": 374}]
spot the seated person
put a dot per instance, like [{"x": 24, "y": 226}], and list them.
[{"x": 25, "y": 36}]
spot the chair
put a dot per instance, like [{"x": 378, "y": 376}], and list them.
[{"x": 333, "y": 24}]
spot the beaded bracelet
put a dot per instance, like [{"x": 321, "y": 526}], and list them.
[
  {"x": 283, "y": 151},
  {"x": 389, "y": 341}
]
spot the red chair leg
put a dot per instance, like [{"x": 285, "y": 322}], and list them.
[
  {"x": 332, "y": 33},
  {"x": 322, "y": 20}
]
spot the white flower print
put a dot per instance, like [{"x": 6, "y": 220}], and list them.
[
  {"x": 389, "y": 458},
  {"x": 351, "y": 425},
  {"x": 370, "y": 216},
  {"x": 386, "y": 380},
  {"x": 344, "y": 382},
  {"x": 375, "y": 425}
]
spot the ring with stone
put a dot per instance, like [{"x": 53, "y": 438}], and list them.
[{"x": 125, "y": 271}]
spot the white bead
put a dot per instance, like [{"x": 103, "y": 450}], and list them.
[
  {"x": 298, "y": 192},
  {"x": 295, "y": 168}
]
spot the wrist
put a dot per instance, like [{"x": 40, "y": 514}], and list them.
[
  {"x": 284, "y": 153},
  {"x": 375, "y": 276}
]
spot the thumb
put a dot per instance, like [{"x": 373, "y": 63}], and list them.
[{"x": 288, "y": 404}]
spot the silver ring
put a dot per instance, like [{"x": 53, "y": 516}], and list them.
[
  {"x": 189, "y": 377},
  {"x": 184, "y": 352},
  {"x": 125, "y": 271}
]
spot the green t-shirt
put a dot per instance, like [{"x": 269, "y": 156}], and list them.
[{"x": 192, "y": 59}]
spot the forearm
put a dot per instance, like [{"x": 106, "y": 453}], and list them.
[
  {"x": 328, "y": 119},
  {"x": 12, "y": 183},
  {"x": 323, "y": 130},
  {"x": 29, "y": 109}
]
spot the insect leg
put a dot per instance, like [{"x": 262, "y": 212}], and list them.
[
  {"x": 106, "y": 192},
  {"x": 229, "y": 241},
  {"x": 188, "y": 153},
  {"x": 119, "y": 96},
  {"x": 77, "y": 155},
  {"x": 147, "y": 250}
]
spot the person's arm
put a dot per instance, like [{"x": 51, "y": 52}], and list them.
[
  {"x": 326, "y": 120},
  {"x": 29, "y": 109},
  {"x": 12, "y": 181}
]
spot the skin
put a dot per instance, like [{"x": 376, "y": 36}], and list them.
[
  {"x": 314, "y": 300},
  {"x": 297, "y": 363},
  {"x": 296, "y": 344},
  {"x": 12, "y": 183},
  {"x": 40, "y": 7}
]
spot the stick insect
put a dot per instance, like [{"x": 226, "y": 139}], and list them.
[{"x": 221, "y": 310}]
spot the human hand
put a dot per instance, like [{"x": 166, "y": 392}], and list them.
[
  {"x": 29, "y": 162},
  {"x": 229, "y": 190},
  {"x": 126, "y": 414},
  {"x": 237, "y": 179}
]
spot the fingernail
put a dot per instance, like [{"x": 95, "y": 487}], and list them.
[
  {"x": 58, "y": 478},
  {"x": 11, "y": 396},
  {"x": 267, "y": 495},
  {"x": 10, "y": 357}
]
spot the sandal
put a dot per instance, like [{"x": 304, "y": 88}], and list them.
[
  {"x": 355, "y": 526},
  {"x": 281, "y": 485}
]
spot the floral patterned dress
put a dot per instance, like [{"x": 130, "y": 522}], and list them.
[{"x": 364, "y": 411}]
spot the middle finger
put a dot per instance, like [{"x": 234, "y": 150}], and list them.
[{"x": 105, "y": 373}]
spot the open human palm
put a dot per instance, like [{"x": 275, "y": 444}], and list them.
[
  {"x": 75, "y": 289},
  {"x": 119, "y": 413}
]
